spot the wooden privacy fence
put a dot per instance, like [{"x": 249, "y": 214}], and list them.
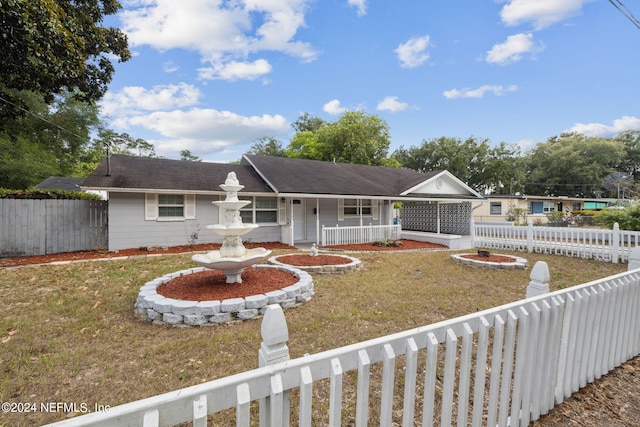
[
  {"x": 503, "y": 366},
  {"x": 606, "y": 245},
  {"x": 359, "y": 234},
  {"x": 40, "y": 227}
]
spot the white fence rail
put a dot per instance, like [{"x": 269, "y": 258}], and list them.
[
  {"x": 607, "y": 245},
  {"x": 503, "y": 366},
  {"x": 359, "y": 234},
  {"x": 40, "y": 227}
]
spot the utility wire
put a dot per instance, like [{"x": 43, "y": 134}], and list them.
[
  {"x": 618, "y": 4},
  {"x": 41, "y": 118}
]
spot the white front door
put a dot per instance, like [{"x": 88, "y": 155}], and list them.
[{"x": 299, "y": 220}]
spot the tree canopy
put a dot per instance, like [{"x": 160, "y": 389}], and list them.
[
  {"x": 356, "y": 137},
  {"x": 572, "y": 165},
  {"x": 51, "y": 46},
  {"x": 474, "y": 161},
  {"x": 47, "y": 142}
]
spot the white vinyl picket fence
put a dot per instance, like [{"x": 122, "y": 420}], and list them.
[
  {"x": 606, "y": 245},
  {"x": 503, "y": 366},
  {"x": 359, "y": 234}
]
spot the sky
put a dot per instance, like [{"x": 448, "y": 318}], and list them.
[{"x": 213, "y": 76}]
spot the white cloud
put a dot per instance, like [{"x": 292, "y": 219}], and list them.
[
  {"x": 513, "y": 49},
  {"x": 221, "y": 32},
  {"x": 333, "y": 107},
  {"x": 479, "y": 92},
  {"x": 540, "y": 13},
  {"x": 235, "y": 70},
  {"x": 206, "y": 131},
  {"x": 413, "y": 52},
  {"x": 170, "y": 67},
  {"x": 601, "y": 130},
  {"x": 391, "y": 103},
  {"x": 132, "y": 100},
  {"x": 360, "y": 5}
]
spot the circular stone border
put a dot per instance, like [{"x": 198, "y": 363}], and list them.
[
  {"x": 518, "y": 264},
  {"x": 150, "y": 305},
  {"x": 321, "y": 269}
]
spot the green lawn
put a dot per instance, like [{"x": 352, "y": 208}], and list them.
[{"x": 69, "y": 334}]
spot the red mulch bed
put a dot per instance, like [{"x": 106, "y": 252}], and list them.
[
  {"x": 211, "y": 285},
  {"x": 80, "y": 255},
  {"x": 406, "y": 245}
]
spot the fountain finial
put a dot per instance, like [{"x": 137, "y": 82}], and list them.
[{"x": 231, "y": 179}]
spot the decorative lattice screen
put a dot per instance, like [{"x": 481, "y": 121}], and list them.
[{"x": 455, "y": 218}]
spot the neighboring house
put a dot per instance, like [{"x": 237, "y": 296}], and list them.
[
  {"x": 501, "y": 208},
  {"x": 169, "y": 202},
  {"x": 66, "y": 184},
  {"x": 60, "y": 183}
]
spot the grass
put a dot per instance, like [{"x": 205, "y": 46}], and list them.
[{"x": 69, "y": 334}]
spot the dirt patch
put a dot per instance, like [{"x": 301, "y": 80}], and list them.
[{"x": 211, "y": 285}]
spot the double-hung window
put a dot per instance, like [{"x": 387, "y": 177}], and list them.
[
  {"x": 169, "y": 207},
  {"x": 495, "y": 208},
  {"x": 354, "y": 208},
  {"x": 262, "y": 210}
]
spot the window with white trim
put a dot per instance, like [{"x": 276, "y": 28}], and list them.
[
  {"x": 356, "y": 208},
  {"x": 169, "y": 207},
  {"x": 262, "y": 210}
]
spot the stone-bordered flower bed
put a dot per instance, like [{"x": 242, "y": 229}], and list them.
[
  {"x": 498, "y": 262},
  {"x": 162, "y": 310},
  {"x": 320, "y": 264}
]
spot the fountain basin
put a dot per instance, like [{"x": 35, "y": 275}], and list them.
[
  {"x": 150, "y": 305},
  {"x": 231, "y": 266},
  {"x": 232, "y": 230}
]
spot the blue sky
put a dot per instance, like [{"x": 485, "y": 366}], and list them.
[{"x": 213, "y": 76}]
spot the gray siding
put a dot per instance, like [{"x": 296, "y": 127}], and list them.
[{"x": 129, "y": 229}]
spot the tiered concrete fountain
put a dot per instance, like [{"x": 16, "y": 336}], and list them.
[{"x": 232, "y": 257}]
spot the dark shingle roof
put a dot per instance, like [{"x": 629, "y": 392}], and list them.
[
  {"x": 262, "y": 174},
  {"x": 60, "y": 183},
  {"x": 147, "y": 173},
  {"x": 317, "y": 177}
]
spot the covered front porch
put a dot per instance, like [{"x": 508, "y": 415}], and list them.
[{"x": 328, "y": 221}]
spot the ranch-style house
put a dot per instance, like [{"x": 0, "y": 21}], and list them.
[{"x": 161, "y": 202}]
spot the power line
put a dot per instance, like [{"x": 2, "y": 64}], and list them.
[
  {"x": 41, "y": 118},
  {"x": 618, "y": 4}
]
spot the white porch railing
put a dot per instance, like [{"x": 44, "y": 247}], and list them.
[
  {"x": 606, "y": 245},
  {"x": 502, "y": 366},
  {"x": 359, "y": 234}
]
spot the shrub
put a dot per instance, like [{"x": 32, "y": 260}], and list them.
[
  {"x": 6, "y": 193},
  {"x": 627, "y": 219}
]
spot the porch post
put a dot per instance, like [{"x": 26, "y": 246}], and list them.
[
  {"x": 438, "y": 217},
  {"x": 293, "y": 225},
  {"x": 317, "y": 221}
]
